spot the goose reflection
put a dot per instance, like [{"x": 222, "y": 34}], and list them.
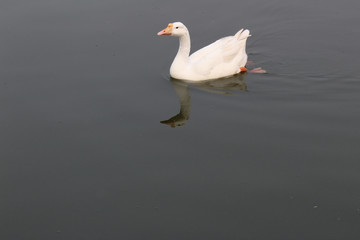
[{"x": 219, "y": 86}]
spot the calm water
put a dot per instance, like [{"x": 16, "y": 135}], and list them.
[{"x": 84, "y": 86}]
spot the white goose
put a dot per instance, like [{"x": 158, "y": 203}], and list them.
[{"x": 223, "y": 58}]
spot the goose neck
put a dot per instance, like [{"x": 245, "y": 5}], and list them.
[{"x": 184, "y": 48}]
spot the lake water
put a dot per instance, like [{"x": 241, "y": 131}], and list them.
[{"x": 97, "y": 142}]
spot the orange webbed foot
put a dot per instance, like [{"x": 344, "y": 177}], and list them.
[
  {"x": 243, "y": 69},
  {"x": 257, "y": 70}
]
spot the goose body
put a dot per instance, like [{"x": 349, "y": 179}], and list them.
[{"x": 225, "y": 57}]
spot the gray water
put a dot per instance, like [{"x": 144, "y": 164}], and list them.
[{"x": 84, "y": 87}]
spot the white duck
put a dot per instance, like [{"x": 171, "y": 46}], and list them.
[{"x": 223, "y": 58}]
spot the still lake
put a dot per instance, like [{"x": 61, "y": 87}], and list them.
[{"x": 98, "y": 142}]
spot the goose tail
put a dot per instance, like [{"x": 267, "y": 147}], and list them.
[{"x": 242, "y": 34}]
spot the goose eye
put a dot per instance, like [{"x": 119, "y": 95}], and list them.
[{"x": 177, "y": 27}]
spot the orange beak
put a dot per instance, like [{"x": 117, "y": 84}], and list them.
[{"x": 166, "y": 31}]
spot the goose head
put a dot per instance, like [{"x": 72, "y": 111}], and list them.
[{"x": 177, "y": 29}]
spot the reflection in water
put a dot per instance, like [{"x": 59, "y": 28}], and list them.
[{"x": 219, "y": 86}]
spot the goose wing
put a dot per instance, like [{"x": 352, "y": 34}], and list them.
[{"x": 222, "y": 51}]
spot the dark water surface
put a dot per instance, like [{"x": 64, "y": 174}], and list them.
[{"x": 85, "y": 84}]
